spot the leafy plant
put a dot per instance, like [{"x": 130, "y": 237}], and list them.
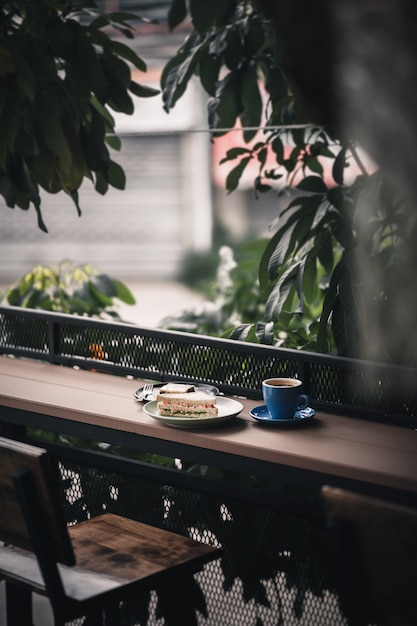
[
  {"x": 68, "y": 288},
  {"x": 336, "y": 250},
  {"x": 238, "y": 311},
  {"x": 61, "y": 74}
]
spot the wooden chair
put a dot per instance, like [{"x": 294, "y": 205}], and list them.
[
  {"x": 375, "y": 548},
  {"x": 86, "y": 569}
]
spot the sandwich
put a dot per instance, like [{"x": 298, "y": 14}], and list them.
[
  {"x": 193, "y": 404},
  {"x": 177, "y": 388}
]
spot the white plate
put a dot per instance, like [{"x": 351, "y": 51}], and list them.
[
  {"x": 228, "y": 408},
  {"x": 200, "y": 387}
]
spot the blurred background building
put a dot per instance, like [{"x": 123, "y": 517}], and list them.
[{"x": 174, "y": 192}]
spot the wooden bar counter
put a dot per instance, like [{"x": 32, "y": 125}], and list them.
[{"x": 330, "y": 448}]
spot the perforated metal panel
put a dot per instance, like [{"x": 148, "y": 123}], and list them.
[
  {"x": 368, "y": 390},
  {"x": 276, "y": 569}
]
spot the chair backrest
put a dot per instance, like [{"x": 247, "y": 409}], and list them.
[
  {"x": 29, "y": 503},
  {"x": 376, "y": 547}
]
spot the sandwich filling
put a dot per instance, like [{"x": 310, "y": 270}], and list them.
[{"x": 191, "y": 404}]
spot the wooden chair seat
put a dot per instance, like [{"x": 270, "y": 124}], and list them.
[{"x": 85, "y": 569}]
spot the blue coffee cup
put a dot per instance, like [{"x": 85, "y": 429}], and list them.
[{"x": 283, "y": 398}]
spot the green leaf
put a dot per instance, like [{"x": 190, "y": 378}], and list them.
[
  {"x": 171, "y": 66},
  {"x": 324, "y": 245},
  {"x": 115, "y": 70},
  {"x": 299, "y": 308},
  {"x": 143, "y": 91},
  {"x": 251, "y": 335},
  {"x": 272, "y": 174},
  {"x": 121, "y": 17},
  {"x": 336, "y": 197},
  {"x": 223, "y": 110},
  {"x": 280, "y": 249},
  {"x": 314, "y": 184},
  {"x": 123, "y": 293},
  {"x": 262, "y": 156},
  {"x": 41, "y": 223},
  {"x": 178, "y": 72},
  {"x": 177, "y": 13},
  {"x": 280, "y": 293},
  {"x": 292, "y": 235},
  {"x": 263, "y": 272},
  {"x": 96, "y": 290},
  {"x": 101, "y": 184},
  {"x": 289, "y": 164},
  {"x": 347, "y": 310},
  {"x": 241, "y": 332},
  {"x": 7, "y": 191},
  {"x": 99, "y": 22},
  {"x": 328, "y": 306},
  {"x": 119, "y": 20},
  {"x": 275, "y": 82},
  {"x": 47, "y": 111},
  {"x": 121, "y": 101},
  {"x": 117, "y": 76},
  {"x": 229, "y": 44},
  {"x": 126, "y": 52},
  {"x": 209, "y": 70},
  {"x": 218, "y": 42},
  {"x": 264, "y": 332},
  {"x": 72, "y": 176},
  {"x": 44, "y": 172},
  {"x": 251, "y": 103},
  {"x": 114, "y": 142},
  {"x": 339, "y": 165},
  {"x": 233, "y": 177},
  {"x": 278, "y": 149},
  {"x": 205, "y": 14},
  {"x": 92, "y": 138},
  {"x": 116, "y": 176},
  {"x": 310, "y": 280},
  {"x": 260, "y": 187},
  {"x": 233, "y": 153},
  {"x": 75, "y": 198},
  {"x": 104, "y": 112},
  {"x": 32, "y": 189},
  {"x": 171, "y": 87},
  {"x": 314, "y": 165},
  {"x": 104, "y": 284},
  {"x": 86, "y": 63},
  {"x": 298, "y": 136}
]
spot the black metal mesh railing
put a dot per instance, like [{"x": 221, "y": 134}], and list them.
[
  {"x": 276, "y": 568},
  {"x": 368, "y": 390}
]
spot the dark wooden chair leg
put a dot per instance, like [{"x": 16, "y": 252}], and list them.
[{"x": 18, "y": 606}]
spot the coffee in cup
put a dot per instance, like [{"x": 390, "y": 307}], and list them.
[{"x": 283, "y": 398}]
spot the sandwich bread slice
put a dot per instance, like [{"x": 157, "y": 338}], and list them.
[
  {"x": 194, "y": 404},
  {"x": 176, "y": 388}
]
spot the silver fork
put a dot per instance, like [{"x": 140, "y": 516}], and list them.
[{"x": 146, "y": 391}]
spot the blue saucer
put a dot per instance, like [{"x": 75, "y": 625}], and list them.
[{"x": 262, "y": 415}]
